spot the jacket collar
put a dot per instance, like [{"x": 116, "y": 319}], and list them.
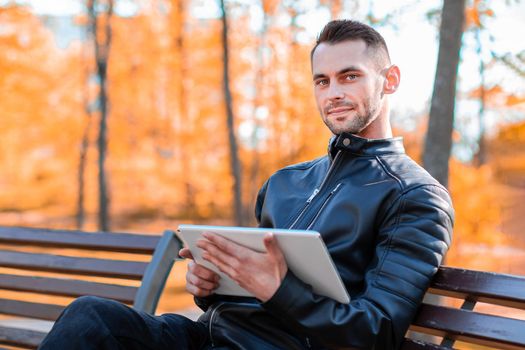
[{"x": 361, "y": 146}]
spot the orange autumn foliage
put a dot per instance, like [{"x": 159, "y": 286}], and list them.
[
  {"x": 167, "y": 135},
  {"x": 41, "y": 109},
  {"x": 475, "y": 12},
  {"x": 168, "y": 156},
  {"x": 477, "y": 200},
  {"x": 497, "y": 98}
]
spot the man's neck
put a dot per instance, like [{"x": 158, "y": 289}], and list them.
[{"x": 381, "y": 131}]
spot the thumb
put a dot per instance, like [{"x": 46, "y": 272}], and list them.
[
  {"x": 276, "y": 254},
  {"x": 271, "y": 245}
]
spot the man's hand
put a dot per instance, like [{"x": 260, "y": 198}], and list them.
[
  {"x": 259, "y": 273},
  {"x": 200, "y": 281}
]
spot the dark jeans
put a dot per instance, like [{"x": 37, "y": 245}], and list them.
[{"x": 97, "y": 323}]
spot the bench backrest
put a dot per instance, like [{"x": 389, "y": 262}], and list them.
[
  {"x": 466, "y": 324},
  {"x": 70, "y": 264}
]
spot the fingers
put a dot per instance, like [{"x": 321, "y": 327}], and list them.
[
  {"x": 224, "y": 262},
  {"x": 221, "y": 249},
  {"x": 225, "y": 267},
  {"x": 223, "y": 253},
  {"x": 209, "y": 282},
  {"x": 185, "y": 253},
  {"x": 200, "y": 281},
  {"x": 198, "y": 291},
  {"x": 202, "y": 272},
  {"x": 261, "y": 273},
  {"x": 222, "y": 243}
]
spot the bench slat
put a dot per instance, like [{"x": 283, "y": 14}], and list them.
[
  {"x": 473, "y": 327},
  {"x": 65, "y": 287},
  {"x": 499, "y": 289},
  {"x": 79, "y": 266},
  {"x": 41, "y": 311},
  {"x": 115, "y": 242},
  {"x": 411, "y": 344},
  {"x": 69, "y": 286},
  {"x": 24, "y": 338}
]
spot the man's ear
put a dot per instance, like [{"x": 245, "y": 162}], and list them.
[{"x": 392, "y": 79}]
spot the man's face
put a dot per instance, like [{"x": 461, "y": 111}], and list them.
[{"x": 347, "y": 86}]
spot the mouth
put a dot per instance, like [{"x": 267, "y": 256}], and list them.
[{"x": 338, "y": 111}]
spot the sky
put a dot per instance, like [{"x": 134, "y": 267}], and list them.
[{"x": 412, "y": 41}]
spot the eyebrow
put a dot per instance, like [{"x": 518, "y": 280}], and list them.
[{"x": 342, "y": 71}]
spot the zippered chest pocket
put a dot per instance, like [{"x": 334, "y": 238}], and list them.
[{"x": 324, "y": 204}]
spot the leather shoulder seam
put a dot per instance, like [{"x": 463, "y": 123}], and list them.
[
  {"x": 301, "y": 166},
  {"x": 388, "y": 172},
  {"x": 439, "y": 186}
]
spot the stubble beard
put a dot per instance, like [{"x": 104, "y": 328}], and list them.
[{"x": 354, "y": 124}]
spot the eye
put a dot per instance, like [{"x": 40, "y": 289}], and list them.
[
  {"x": 350, "y": 77},
  {"x": 321, "y": 82}
]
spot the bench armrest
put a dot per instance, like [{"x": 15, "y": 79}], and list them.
[{"x": 157, "y": 273}]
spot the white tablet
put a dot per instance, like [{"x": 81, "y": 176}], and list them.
[{"x": 304, "y": 251}]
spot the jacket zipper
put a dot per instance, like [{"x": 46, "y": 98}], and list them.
[
  {"x": 330, "y": 195},
  {"x": 211, "y": 321},
  {"x": 316, "y": 191},
  {"x": 308, "y": 201}
]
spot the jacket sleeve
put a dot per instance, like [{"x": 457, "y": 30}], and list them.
[
  {"x": 411, "y": 241},
  {"x": 260, "y": 201}
]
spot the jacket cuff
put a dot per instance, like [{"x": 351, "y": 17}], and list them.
[
  {"x": 204, "y": 302},
  {"x": 285, "y": 297}
]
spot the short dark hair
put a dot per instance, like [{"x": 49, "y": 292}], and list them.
[{"x": 340, "y": 30}]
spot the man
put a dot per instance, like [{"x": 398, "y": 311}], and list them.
[{"x": 385, "y": 221}]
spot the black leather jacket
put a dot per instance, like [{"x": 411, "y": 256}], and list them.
[{"x": 387, "y": 225}]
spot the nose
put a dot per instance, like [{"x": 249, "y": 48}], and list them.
[{"x": 335, "y": 92}]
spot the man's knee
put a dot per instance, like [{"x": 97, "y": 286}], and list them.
[
  {"x": 89, "y": 302},
  {"x": 92, "y": 309},
  {"x": 86, "y": 319}
]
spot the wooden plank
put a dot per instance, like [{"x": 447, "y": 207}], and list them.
[
  {"x": 488, "y": 287},
  {"x": 412, "y": 344},
  {"x": 472, "y": 327},
  {"x": 24, "y": 338},
  {"x": 71, "y": 265},
  {"x": 41, "y": 311},
  {"x": 67, "y": 287},
  {"x": 115, "y": 242},
  {"x": 119, "y": 242}
]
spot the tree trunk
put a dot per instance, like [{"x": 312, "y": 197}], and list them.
[
  {"x": 293, "y": 71},
  {"x": 481, "y": 156},
  {"x": 255, "y": 168},
  {"x": 438, "y": 143},
  {"x": 189, "y": 190},
  {"x": 84, "y": 143},
  {"x": 101, "y": 55},
  {"x": 234, "y": 157}
]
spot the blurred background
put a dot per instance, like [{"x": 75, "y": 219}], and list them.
[{"x": 139, "y": 115}]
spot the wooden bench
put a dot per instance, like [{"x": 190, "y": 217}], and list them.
[
  {"x": 465, "y": 324},
  {"x": 79, "y": 265},
  {"x": 28, "y": 250}
]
